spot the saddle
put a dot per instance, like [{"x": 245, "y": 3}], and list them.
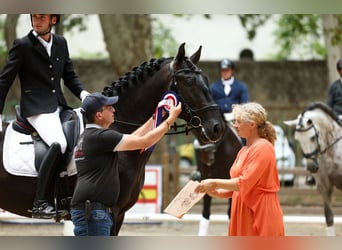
[{"x": 71, "y": 128}]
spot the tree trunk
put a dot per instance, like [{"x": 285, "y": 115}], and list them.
[
  {"x": 332, "y": 32},
  {"x": 128, "y": 39},
  {"x": 10, "y": 29}
]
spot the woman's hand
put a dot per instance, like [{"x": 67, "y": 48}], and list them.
[{"x": 206, "y": 186}]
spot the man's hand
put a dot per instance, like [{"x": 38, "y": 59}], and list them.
[{"x": 175, "y": 111}]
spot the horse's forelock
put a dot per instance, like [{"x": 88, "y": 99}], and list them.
[
  {"x": 190, "y": 64},
  {"x": 325, "y": 108}
]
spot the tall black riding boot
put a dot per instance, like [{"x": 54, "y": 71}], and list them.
[{"x": 41, "y": 208}]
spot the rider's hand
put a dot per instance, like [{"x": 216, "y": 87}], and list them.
[{"x": 84, "y": 94}]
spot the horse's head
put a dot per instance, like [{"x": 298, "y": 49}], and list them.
[
  {"x": 316, "y": 129},
  {"x": 199, "y": 108},
  {"x": 141, "y": 90}
]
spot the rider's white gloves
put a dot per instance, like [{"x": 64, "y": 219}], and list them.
[{"x": 83, "y": 94}]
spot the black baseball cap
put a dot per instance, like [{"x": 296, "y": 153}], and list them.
[{"x": 93, "y": 102}]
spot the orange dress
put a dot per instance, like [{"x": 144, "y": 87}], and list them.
[{"x": 255, "y": 208}]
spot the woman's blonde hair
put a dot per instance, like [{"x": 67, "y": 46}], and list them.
[{"x": 253, "y": 111}]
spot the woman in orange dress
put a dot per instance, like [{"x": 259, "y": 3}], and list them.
[{"x": 254, "y": 179}]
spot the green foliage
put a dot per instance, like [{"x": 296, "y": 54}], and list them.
[
  {"x": 252, "y": 22},
  {"x": 337, "y": 37},
  {"x": 301, "y": 34},
  {"x": 3, "y": 47},
  {"x": 164, "y": 45},
  {"x": 75, "y": 21}
]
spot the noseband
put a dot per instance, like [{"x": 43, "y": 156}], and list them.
[{"x": 195, "y": 121}]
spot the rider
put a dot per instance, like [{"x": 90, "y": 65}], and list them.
[
  {"x": 41, "y": 59},
  {"x": 334, "y": 98}
]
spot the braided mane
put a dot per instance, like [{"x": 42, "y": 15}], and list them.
[{"x": 132, "y": 78}]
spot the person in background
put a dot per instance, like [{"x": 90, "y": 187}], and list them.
[
  {"x": 228, "y": 90},
  {"x": 41, "y": 59},
  {"x": 334, "y": 98},
  {"x": 98, "y": 185},
  {"x": 254, "y": 183}
]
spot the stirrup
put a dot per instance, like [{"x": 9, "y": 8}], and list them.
[{"x": 46, "y": 211}]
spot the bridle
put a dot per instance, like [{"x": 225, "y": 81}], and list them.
[
  {"x": 318, "y": 151},
  {"x": 195, "y": 121}
]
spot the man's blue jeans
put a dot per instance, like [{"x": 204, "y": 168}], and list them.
[{"x": 99, "y": 223}]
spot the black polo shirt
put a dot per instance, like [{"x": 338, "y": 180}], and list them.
[{"x": 97, "y": 171}]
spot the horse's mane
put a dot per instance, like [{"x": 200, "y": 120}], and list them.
[
  {"x": 320, "y": 105},
  {"x": 137, "y": 75},
  {"x": 134, "y": 77}
]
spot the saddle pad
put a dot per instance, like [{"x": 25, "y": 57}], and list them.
[{"x": 19, "y": 158}]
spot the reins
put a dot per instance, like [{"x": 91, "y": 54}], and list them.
[{"x": 187, "y": 127}]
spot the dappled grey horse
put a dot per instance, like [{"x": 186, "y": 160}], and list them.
[{"x": 319, "y": 134}]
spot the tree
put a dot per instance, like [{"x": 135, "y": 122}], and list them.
[
  {"x": 10, "y": 29},
  {"x": 128, "y": 39},
  {"x": 304, "y": 32},
  {"x": 333, "y": 40}
]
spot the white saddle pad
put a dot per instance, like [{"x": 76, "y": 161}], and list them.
[{"x": 19, "y": 158}]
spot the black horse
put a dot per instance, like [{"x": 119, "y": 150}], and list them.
[
  {"x": 214, "y": 161},
  {"x": 139, "y": 90}
]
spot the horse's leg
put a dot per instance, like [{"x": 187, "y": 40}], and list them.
[
  {"x": 204, "y": 222},
  {"x": 229, "y": 207},
  {"x": 118, "y": 219},
  {"x": 326, "y": 194}
]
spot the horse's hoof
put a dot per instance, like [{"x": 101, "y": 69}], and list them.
[{"x": 310, "y": 180}]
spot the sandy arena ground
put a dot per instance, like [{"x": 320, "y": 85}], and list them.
[{"x": 29, "y": 227}]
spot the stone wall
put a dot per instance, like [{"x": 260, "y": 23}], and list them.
[{"x": 283, "y": 88}]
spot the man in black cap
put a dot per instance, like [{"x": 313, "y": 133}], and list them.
[
  {"x": 228, "y": 90},
  {"x": 334, "y": 99},
  {"x": 97, "y": 186}
]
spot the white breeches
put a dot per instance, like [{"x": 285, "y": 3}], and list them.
[{"x": 49, "y": 128}]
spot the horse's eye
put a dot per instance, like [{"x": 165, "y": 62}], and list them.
[
  {"x": 190, "y": 80},
  {"x": 309, "y": 122}
]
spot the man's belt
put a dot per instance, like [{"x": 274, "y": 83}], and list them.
[{"x": 88, "y": 205}]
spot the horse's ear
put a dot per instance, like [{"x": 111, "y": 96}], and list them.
[
  {"x": 181, "y": 54},
  {"x": 291, "y": 122},
  {"x": 196, "y": 56}
]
